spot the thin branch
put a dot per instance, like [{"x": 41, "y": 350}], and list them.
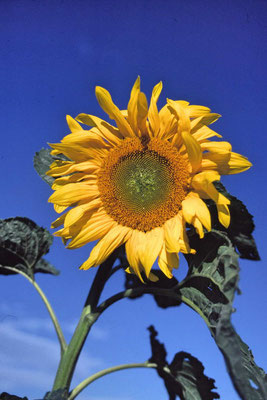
[
  {"x": 104, "y": 372},
  {"x": 63, "y": 344}
]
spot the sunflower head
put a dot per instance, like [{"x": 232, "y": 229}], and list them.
[{"x": 140, "y": 182}]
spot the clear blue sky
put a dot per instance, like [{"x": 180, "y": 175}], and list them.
[{"x": 53, "y": 54}]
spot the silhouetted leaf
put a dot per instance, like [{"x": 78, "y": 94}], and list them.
[
  {"x": 6, "y": 396},
  {"x": 133, "y": 282},
  {"x": 184, "y": 376},
  {"x": 209, "y": 288},
  {"x": 22, "y": 245},
  {"x": 241, "y": 225}
]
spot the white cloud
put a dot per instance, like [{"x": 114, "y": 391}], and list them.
[{"x": 29, "y": 356}]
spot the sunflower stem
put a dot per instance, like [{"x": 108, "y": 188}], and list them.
[
  {"x": 62, "y": 342},
  {"x": 88, "y": 317},
  {"x": 77, "y": 390}
]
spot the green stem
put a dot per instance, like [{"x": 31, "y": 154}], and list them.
[
  {"x": 63, "y": 344},
  {"x": 104, "y": 372}
]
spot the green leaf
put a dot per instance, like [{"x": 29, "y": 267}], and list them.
[
  {"x": 209, "y": 289},
  {"x": 184, "y": 376},
  {"x": 60, "y": 394},
  {"x": 241, "y": 225},
  {"x": 22, "y": 245},
  {"x": 42, "y": 161}
]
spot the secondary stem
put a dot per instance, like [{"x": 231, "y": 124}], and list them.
[
  {"x": 107, "y": 371},
  {"x": 63, "y": 344}
]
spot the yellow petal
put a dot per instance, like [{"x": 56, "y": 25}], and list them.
[
  {"x": 107, "y": 131},
  {"x": 204, "y": 120},
  {"x": 73, "y": 192},
  {"x": 193, "y": 150},
  {"x": 217, "y": 147},
  {"x": 238, "y": 163},
  {"x": 59, "y": 168},
  {"x": 153, "y": 241},
  {"x": 59, "y": 209},
  {"x": 172, "y": 231},
  {"x": 105, "y": 101},
  {"x": 142, "y": 111},
  {"x": 194, "y": 111},
  {"x": 73, "y": 125},
  {"x": 78, "y": 212},
  {"x": 167, "y": 261},
  {"x": 153, "y": 115},
  {"x": 223, "y": 214},
  {"x": 59, "y": 221},
  {"x": 168, "y": 123},
  {"x": 204, "y": 133},
  {"x": 96, "y": 226},
  {"x": 113, "y": 239},
  {"x": 134, "y": 247},
  {"x": 193, "y": 207},
  {"x": 183, "y": 119},
  {"x": 132, "y": 105},
  {"x": 202, "y": 182}
]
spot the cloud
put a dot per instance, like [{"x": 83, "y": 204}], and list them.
[{"x": 29, "y": 356}]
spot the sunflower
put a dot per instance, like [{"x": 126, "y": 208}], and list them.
[{"x": 140, "y": 182}]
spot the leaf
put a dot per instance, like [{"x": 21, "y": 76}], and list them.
[
  {"x": 209, "y": 289},
  {"x": 6, "y": 396},
  {"x": 241, "y": 225},
  {"x": 133, "y": 282},
  {"x": 22, "y": 245},
  {"x": 42, "y": 161},
  {"x": 184, "y": 376}
]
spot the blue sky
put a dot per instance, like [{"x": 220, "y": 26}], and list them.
[{"x": 53, "y": 54}]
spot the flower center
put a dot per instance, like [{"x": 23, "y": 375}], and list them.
[
  {"x": 142, "y": 185},
  {"x": 142, "y": 180}
]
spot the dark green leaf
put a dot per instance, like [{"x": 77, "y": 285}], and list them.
[
  {"x": 22, "y": 245},
  {"x": 42, "y": 161},
  {"x": 209, "y": 288},
  {"x": 241, "y": 226},
  {"x": 184, "y": 376},
  {"x": 6, "y": 396},
  {"x": 45, "y": 267}
]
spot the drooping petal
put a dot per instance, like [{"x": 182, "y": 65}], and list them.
[
  {"x": 153, "y": 241},
  {"x": 172, "y": 231},
  {"x": 193, "y": 207},
  {"x": 167, "y": 261},
  {"x": 202, "y": 182},
  {"x": 204, "y": 133},
  {"x": 134, "y": 247},
  {"x": 224, "y": 214},
  {"x": 195, "y": 111}
]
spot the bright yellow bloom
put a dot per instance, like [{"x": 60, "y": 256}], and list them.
[{"x": 140, "y": 182}]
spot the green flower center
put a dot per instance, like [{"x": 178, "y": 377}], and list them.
[{"x": 142, "y": 180}]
